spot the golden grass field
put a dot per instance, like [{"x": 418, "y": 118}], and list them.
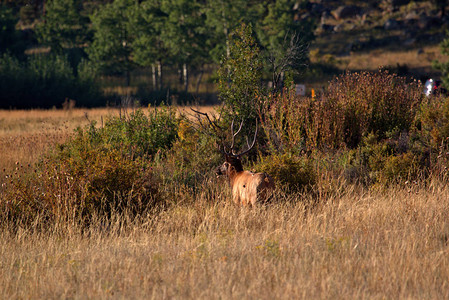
[
  {"x": 356, "y": 243},
  {"x": 376, "y": 59}
]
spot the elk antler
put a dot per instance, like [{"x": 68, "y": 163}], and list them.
[
  {"x": 247, "y": 142},
  {"x": 231, "y": 152},
  {"x": 213, "y": 124},
  {"x": 234, "y": 135}
]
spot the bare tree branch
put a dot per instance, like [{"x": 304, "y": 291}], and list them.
[{"x": 291, "y": 56}]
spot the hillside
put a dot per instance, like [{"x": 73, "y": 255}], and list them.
[{"x": 402, "y": 36}]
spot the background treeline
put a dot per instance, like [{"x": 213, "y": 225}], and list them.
[{"x": 52, "y": 50}]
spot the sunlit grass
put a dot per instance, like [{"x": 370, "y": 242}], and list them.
[
  {"x": 375, "y": 59},
  {"x": 343, "y": 243},
  {"x": 26, "y": 134},
  {"x": 360, "y": 245}
]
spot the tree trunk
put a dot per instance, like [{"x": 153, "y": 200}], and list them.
[
  {"x": 154, "y": 76},
  {"x": 185, "y": 74},
  {"x": 159, "y": 74},
  {"x": 278, "y": 81},
  {"x": 198, "y": 81}
]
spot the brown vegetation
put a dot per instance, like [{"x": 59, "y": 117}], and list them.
[
  {"x": 356, "y": 245},
  {"x": 352, "y": 243},
  {"x": 131, "y": 208}
]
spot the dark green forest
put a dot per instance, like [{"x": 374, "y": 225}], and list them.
[
  {"x": 56, "y": 50},
  {"x": 96, "y": 53}
]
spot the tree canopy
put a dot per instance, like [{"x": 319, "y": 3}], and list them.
[
  {"x": 113, "y": 37},
  {"x": 64, "y": 25}
]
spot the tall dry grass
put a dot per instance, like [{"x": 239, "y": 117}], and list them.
[
  {"x": 359, "y": 245},
  {"x": 353, "y": 243}
]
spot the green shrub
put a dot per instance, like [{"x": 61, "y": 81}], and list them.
[
  {"x": 141, "y": 134},
  {"x": 432, "y": 131},
  {"x": 292, "y": 172},
  {"x": 389, "y": 161},
  {"x": 399, "y": 168},
  {"x": 116, "y": 159},
  {"x": 99, "y": 170},
  {"x": 192, "y": 159},
  {"x": 433, "y": 121}
]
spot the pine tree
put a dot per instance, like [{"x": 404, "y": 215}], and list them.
[
  {"x": 185, "y": 34},
  {"x": 111, "y": 48},
  {"x": 8, "y": 33},
  {"x": 240, "y": 75},
  {"x": 63, "y": 26},
  {"x": 148, "y": 48}
]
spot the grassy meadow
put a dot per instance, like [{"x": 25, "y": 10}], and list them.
[
  {"x": 360, "y": 245},
  {"x": 351, "y": 242},
  {"x": 27, "y": 134}
]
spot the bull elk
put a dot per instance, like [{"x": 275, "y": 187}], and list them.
[{"x": 248, "y": 188}]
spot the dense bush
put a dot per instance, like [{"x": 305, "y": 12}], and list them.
[
  {"x": 292, "y": 172},
  {"x": 99, "y": 170},
  {"x": 373, "y": 103},
  {"x": 140, "y": 134},
  {"x": 393, "y": 160},
  {"x": 192, "y": 159},
  {"x": 433, "y": 120},
  {"x": 432, "y": 130},
  {"x": 355, "y": 105},
  {"x": 366, "y": 123},
  {"x": 96, "y": 182},
  {"x": 45, "y": 81}
]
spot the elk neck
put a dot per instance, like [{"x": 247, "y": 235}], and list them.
[
  {"x": 237, "y": 168},
  {"x": 235, "y": 162}
]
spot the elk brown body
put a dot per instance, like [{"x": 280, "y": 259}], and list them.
[{"x": 248, "y": 188}]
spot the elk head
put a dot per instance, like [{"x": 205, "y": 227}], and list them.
[{"x": 232, "y": 159}]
